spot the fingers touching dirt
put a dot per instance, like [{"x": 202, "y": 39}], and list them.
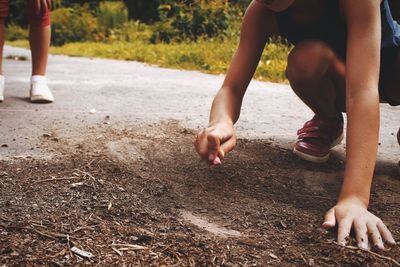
[
  {"x": 370, "y": 231},
  {"x": 213, "y": 143}
]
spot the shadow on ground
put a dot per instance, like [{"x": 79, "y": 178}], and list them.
[{"x": 141, "y": 196}]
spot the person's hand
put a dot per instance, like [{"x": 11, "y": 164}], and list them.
[
  {"x": 370, "y": 231},
  {"x": 214, "y": 142},
  {"x": 41, "y": 6}
]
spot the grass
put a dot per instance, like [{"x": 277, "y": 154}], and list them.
[{"x": 210, "y": 56}]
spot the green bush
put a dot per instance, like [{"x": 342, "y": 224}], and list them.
[
  {"x": 72, "y": 25},
  {"x": 189, "y": 22},
  {"x": 111, "y": 15},
  {"x": 15, "y": 32},
  {"x": 128, "y": 32}
]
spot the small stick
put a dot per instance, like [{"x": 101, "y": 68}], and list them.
[
  {"x": 370, "y": 252},
  {"x": 69, "y": 246},
  {"x": 85, "y": 228},
  {"x": 56, "y": 179},
  {"x": 134, "y": 247},
  {"x": 117, "y": 251}
]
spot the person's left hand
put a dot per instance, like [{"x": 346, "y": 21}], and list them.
[
  {"x": 41, "y": 6},
  {"x": 370, "y": 231}
]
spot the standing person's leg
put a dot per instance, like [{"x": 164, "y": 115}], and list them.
[
  {"x": 317, "y": 76},
  {"x": 2, "y": 39},
  {"x": 3, "y": 16},
  {"x": 39, "y": 40}
]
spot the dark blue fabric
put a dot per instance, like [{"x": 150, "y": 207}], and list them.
[
  {"x": 330, "y": 29},
  {"x": 390, "y": 28}
]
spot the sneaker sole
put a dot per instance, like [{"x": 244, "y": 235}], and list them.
[
  {"x": 40, "y": 99},
  {"x": 316, "y": 159}
]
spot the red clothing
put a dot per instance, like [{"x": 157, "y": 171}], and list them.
[{"x": 36, "y": 16}]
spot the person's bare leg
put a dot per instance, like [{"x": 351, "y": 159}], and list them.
[
  {"x": 317, "y": 76},
  {"x": 2, "y": 40},
  {"x": 39, "y": 40}
]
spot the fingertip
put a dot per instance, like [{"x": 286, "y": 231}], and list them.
[
  {"x": 391, "y": 243},
  {"x": 328, "y": 224},
  {"x": 363, "y": 246},
  {"x": 217, "y": 161},
  {"x": 330, "y": 219}
]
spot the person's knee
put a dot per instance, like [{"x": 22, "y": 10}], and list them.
[{"x": 308, "y": 61}]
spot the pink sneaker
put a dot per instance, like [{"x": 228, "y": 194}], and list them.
[{"x": 317, "y": 137}]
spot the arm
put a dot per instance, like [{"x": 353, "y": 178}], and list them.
[
  {"x": 258, "y": 26},
  {"x": 362, "y": 105}
]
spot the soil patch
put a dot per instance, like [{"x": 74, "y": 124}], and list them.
[{"x": 140, "y": 196}]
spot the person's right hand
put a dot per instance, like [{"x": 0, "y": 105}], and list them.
[
  {"x": 42, "y": 6},
  {"x": 215, "y": 141}
]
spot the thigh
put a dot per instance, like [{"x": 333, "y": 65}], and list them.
[{"x": 390, "y": 77}]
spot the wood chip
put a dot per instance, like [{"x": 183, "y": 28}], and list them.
[
  {"x": 117, "y": 251},
  {"x": 76, "y": 184},
  {"x": 273, "y": 256},
  {"x": 82, "y": 253}
]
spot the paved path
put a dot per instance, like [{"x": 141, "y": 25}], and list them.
[{"x": 131, "y": 92}]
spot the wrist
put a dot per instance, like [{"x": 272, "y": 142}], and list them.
[
  {"x": 354, "y": 199},
  {"x": 223, "y": 122}
]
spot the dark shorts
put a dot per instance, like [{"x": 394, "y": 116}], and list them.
[
  {"x": 36, "y": 17},
  {"x": 388, "y": 59}
]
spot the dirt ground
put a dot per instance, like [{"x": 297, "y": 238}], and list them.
[{"x": 139, "y": 196}]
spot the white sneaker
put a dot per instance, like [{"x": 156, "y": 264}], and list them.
[
  {"x": 1, "y": 88},
  {"x": 40, "y": 91}
]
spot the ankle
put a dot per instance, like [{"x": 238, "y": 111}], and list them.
[{"x": 38, "y": 78}]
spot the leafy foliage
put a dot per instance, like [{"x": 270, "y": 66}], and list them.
[
  {"x": 72, "y": 25},
  {"x": 16, "y": 32},
  {"x": 189, "y": 22},
  {"x": 111, "y": 15}
]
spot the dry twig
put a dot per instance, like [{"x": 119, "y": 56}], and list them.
[
  {"x": 370, "y": 252},
  {"x": 130, "y": 246},
  {"x": 56, "y": 179}
]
